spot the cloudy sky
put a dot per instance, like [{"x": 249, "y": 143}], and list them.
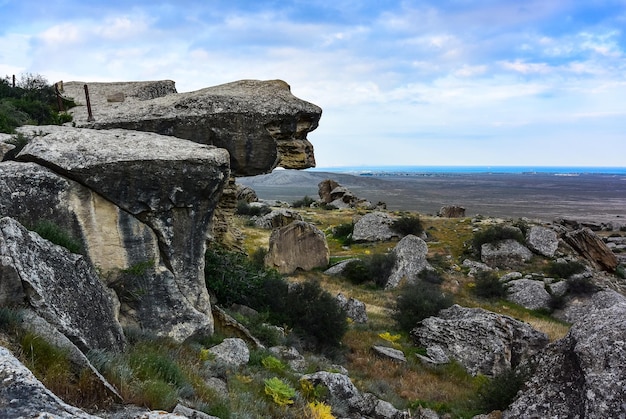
[{"x": 436, "y": 82}]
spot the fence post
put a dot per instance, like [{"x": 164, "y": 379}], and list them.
[{"x": 90, "y": 117}]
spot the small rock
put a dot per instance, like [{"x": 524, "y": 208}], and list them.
[
  {"x": 390, "y": 353},
  {"x": 233, "y": 351}
]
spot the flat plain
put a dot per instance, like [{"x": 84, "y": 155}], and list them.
[{"x": 540, "y": 196}]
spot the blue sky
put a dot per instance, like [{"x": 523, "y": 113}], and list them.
[{"x": 457, "y": 82}]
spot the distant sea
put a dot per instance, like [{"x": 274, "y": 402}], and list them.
[{"x": 426, "y": 170}]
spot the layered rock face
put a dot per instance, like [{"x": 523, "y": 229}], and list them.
[
  {"x": 135, "y": 200},
  {"x": 260, "y": 123}
]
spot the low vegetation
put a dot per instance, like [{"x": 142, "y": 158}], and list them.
[{"x": 496, "y": 233}]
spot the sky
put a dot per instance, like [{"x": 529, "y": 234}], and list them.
[{"x": 435, "y": 82}]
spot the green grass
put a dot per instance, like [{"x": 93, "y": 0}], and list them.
[{"x": 57, "y": 235}]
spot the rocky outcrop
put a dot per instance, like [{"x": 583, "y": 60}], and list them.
[
  {"x": 374, "y": 226},
  {"x": 582, "y": 375},
  {"x": 232, "y": 351},
  {"x": 260, "y": 123},
  {"x": 23, "y": 396},
  {"x": 142, "y": 205},
  {"x": 48, "y": 278},
  {"x": 592, "y": 248},
  {"x": 482, "y": 341},
  {"x": 542, "y": 240},
  {"x": 580, "y": 306},
  {"x": 507, "y": 253},
  {"x": 299, "y": 245},
  {"x": 337, "y": 196},
  {"x": 410, "y": 260},
  {"x": 324, "y": 190},
  {"x": 451, "y": 211}
]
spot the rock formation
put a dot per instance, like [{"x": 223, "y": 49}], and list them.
[
  {"x": 299, "y": 245},
  {"x": 582, "y": 375},
  {"x": 410, "y": 260},
  {"x": 260, "y": 123},
  {"x": 451, "y": 211},
  {"x": 277, "y": 218},
  {"x": 374, "y": 226},
  {"x": 529, "y": 293},
  {"x": 507, "y": 253},
  {"x": 542, "y": 240},
  {"x": 482, "y": 341},
  {"x": 592, "y": 248}
]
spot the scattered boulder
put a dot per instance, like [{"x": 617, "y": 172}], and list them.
[
  {"x": 374, "y": 226},
  {"x": 289, "y": 354},
  {"x": 529, "y": 293},
  {"x": 410, "y": 260},
  {"x": 542, "y": 240},
  {"x": 277, "y": 218},
  {"x": 475, "y": 267},
  {"x": 299, "y": 245},
  {"x": 333, "y": 194},
  {"x": 187, "y": 412},
  {"x": 345, "y": 398},
  {"x": 50, "y": 277},
  {"x": 246, "y": 193},
  {"x": 451, "y": 211},
  {"x": 324, "y": 189},
  {"x": 389, "y": 353},
  {"x": 582, "y": 375},
  {"x": 507, "y": 253},
  {"x": 260, "y": 123},
  {"x": 354, "y": 308},
  {"x": 232, "y": 351},
  {"x": 24, "y": 396},
  {"x": 337, "y": 269},
  {"x": 578, "y": 307},
  {"x": 5, "y": 148},
  {"x": 482, "y": 341},
  {"x": 592, "y": 248}
]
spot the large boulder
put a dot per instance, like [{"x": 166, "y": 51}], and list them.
[
  {"x": 410, "y": 260},
  {"x": 277, "y": 218},
  {"x": 260, "y": 123},
  {"x": 506, "y": 253},
  {"x": 299, "y": 245},
  {"x": 582, "y": 375},
  {"x": 482, "y": 341},
  {"x": 354, "y": 308},
  {"x": 374, "y": 226},
  {"x": 529, "y": 293},
  {"x": 60, "y": 286},
  {"x": 142, "y": 205},
  {"x": 451, "y": 211},
  {"x": 592, "y": 248},
  {"x": 24, "y": 396},
  {"x": 579, "y": 306},
  {"x": 542, "y": 240},
  {"x": 324, "y": 189}
]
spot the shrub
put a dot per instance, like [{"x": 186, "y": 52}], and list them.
[
  {"x": 280, "y": 392},
  {"x": 305, "y": 202},
  {"x": 343, "y": 233},
  {"x": 488, "y": 285},
  {"x": 244, "y": 208},
  {"x": 565, "y": 269},
  {"x": 581, "y": 286},
  {"x": 499, "y": 392},
  {"x": 408, "y": 224},
  {"x": 53, "y": 233},
  {"x": 496, "y": 233},
  {"x": 375, "y": 268},
  {"x": 417, "y": 302}
]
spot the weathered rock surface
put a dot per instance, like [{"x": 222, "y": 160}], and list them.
[
  {"x": 277, "y": 218},
  {"x": 374, "y": 226},
  {"x": 389, "y": 353},
  {"x": 338, "y": 268},
  {"x": 451, "y": 211},
  {"x": 354, "y": 308},
  {"x": 51, "y": 278},
  {"x": 324, "y": 189},
  {"x": 343, "y": 396},
  {"x": 332, "y": 193},
  {"x": 582, "y": 375},
  {"x": 246, "y": 193},
  {"x": 410, "y": 260},
  {"x": 232, "y": 351},
  {"x": 475, "y": 267},
  {"x": 592, "y": 248},
  {"x": 578, "y": 307},
  {"x": 529, "y": 293},
  {"x": 482, "y": 341},
  {"x": 291, "y": 356},
  {"x": 299, "y": 245},
  {"x": 542, "y": 240},
  {"x": 507, "y": 253},
  {"x": 158, "y": 196},
  {"x": 23, "y": 396},
  {"x": 260, "y": 123}
]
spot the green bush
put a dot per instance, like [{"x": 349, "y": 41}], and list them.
[
  {"x": 496, "y": 233},
  {"x": 498, "y": 392},
  {"x": 305, "y": 202},
  {"x": 53, "y": 233},
  {"x": 488, "y": 285},
  {"x": 408, "y": 224},
  {"x": 565, "y": 269},
  {"x": 417, "y": 302},
  {"x": 343, "y": 233},
  {"x": 375, "y": 268}
]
